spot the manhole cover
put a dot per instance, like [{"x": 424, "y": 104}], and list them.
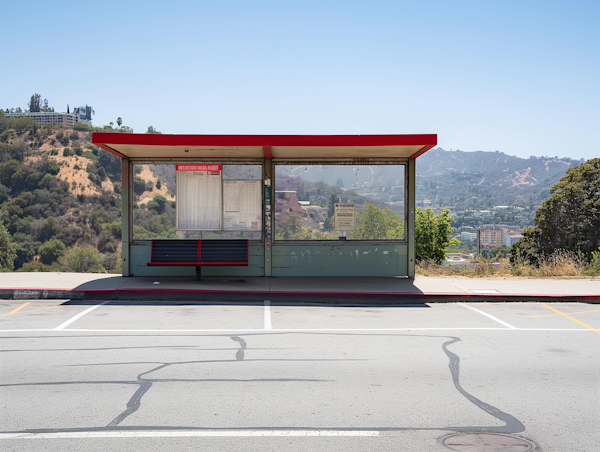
[{"x": 486, "y": 442}]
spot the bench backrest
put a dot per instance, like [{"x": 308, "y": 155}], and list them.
[{"x": 200, "y": 251}]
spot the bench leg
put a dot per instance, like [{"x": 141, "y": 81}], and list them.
[{"x": 198, "y": 273}]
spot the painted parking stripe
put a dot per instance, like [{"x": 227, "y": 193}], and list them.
[
  {"x": 62, "y": 326},
  {"x": 502, "y": 322},
  {"x": 184, "y": 433},
  {"x": 290, "y": 330},
  {"x": 571, "y": 318},
  {"x": 14, "y": 311}
]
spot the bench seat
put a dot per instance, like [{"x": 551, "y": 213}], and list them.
[{"x": 198, "y": 252}]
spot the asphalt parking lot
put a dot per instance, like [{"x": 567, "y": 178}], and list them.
[{"x": 131, "y": 375}]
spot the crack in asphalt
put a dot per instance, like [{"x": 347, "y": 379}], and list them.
[
  {"x": 240, "y": 354},
  {"x": 511, "y": 424}
]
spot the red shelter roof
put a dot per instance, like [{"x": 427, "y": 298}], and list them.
[{"x": 136, "y": 145}]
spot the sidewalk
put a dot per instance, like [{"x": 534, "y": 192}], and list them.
[{"x": 376, "y": 289}]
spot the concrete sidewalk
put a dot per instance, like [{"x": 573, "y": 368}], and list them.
[{"x": 95, "y": 286}]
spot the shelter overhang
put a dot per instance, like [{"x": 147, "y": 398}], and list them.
[{"x": 130, "y": 145}]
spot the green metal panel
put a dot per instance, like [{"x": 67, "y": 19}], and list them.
[
  {"x": 344, "y": 259},
  {"x": 410, "y": 195},
  {"x": 140, "y": 256},
  {"x": 125, "y": 216}
]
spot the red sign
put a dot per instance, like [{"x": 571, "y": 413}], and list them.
[{"x": 199, "y": 168}]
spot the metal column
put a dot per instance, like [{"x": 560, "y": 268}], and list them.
[
  {"x": 410, "y": 195},
  {"x": 269, "y": 180},
  {"x": 126, "y": 198}
]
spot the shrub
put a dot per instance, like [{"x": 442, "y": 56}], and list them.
[
  {"x": 74, "y": 135},
  {"x": 78, "y": 151},
  {"x": 139, "y": 185},
  {"x": 67, "y": 152},
  {"x": 110, "y": 261},
  {"x": 54, "y": 152},
  {"x": 114, "y": 229},
  {"x": 8, "y": 250},
  {"x": 81, "y": 260},
  {"x": 38, "y": 267},
  {"x": 51, "y": 251},
  {"x": 106, "y": 242}
]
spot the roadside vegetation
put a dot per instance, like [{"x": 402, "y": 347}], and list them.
[{"x": 60, "y": 209}]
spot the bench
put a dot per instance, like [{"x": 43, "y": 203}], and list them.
[{"x": 198, "y": 253}]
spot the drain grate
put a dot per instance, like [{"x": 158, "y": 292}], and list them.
[{"x": 487, "y": 442}]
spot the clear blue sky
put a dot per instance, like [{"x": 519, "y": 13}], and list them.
[{"x": 519, "y": 77}]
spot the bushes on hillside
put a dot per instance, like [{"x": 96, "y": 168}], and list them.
[
  {"x": 81, "y": 260},
  {"x": 51, "y": 251},
  {"x": 8, "y": 250}
]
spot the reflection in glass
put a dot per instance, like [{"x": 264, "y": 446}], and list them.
[{"x": 305, "y": 197}]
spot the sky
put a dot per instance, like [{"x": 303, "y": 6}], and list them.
[{"x": 518, "y": 77}]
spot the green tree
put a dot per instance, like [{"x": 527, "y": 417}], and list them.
[
  {"x": 568, "y": 220},
  {"x": 8, "y": 250},
  {"x": 81, "y": 260},
  {"x": 157, "y": 204},
  {"x": 433, "y": 235},
  {"x": 51, "y": 251},
  {"x": 375, "y": 223},
  {"x": 49, "y": 229},
  {"x": 35, "y": 104},
  {"x": 119, "y": 121},
  {"x": 139, "y": 185},
  {"x": 292, "y": 225},
  {"x": 152, "y": 130},
  {"x": 26, "y": 248},
  {"x": 333, "y": 198}
]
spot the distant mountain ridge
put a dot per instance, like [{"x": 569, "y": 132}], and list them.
[{"x": 481, "y": 178}]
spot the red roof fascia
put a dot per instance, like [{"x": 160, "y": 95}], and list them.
[
  {"x": 267, "y": 140},
  {"x": 102, "y": 139},
  {"x": 398, "y": 140},
  {"x": 149, "y": 139}
]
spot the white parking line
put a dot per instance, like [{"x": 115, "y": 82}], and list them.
[
  {"x": 502, "y": 322},
  {"x": 62, "y": 326},
  {"x": 268, "y": 315},
  {"x": 183, "y": 433},
  {"x": 290, "y": 330}
]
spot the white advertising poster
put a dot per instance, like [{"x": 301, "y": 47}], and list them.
[
  {"x": 242, "y": 205},
  {"x": 344, "y": 216},
  {"x": 199, "y": 197}
]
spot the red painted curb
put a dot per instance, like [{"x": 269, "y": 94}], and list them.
[{"x": 152, "y": 291}]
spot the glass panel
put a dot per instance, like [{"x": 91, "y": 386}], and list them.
[
  {"x": 305, "y": 198},
  {"x": 155, "y": 201}
]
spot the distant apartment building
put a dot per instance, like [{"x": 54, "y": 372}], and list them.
[
  {"x": 511, "y": 237},
  {"x": 491, "y": 239},
  {"x": 44, "y": 118},
  {"x": 468, "y": 235}
]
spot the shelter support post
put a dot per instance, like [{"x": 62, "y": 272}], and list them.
[
  {"x": 269, "y": 203},
  {"x": 410, "y": 195},
  {"x": 126, "y": 198}
]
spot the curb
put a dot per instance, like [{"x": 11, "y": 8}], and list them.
[{"x": 260, "y": 295}]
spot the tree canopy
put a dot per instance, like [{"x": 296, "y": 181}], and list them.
[
  {"x": 433, "y": 235},
  {"x": 568, "y": 220}
]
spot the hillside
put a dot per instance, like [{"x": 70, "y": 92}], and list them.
[
  {"x": 466, "y": 180},
  {"x": 60, "y": 198}
]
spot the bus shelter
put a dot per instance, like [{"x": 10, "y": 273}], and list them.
[{"x": 303, "y": 205}]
